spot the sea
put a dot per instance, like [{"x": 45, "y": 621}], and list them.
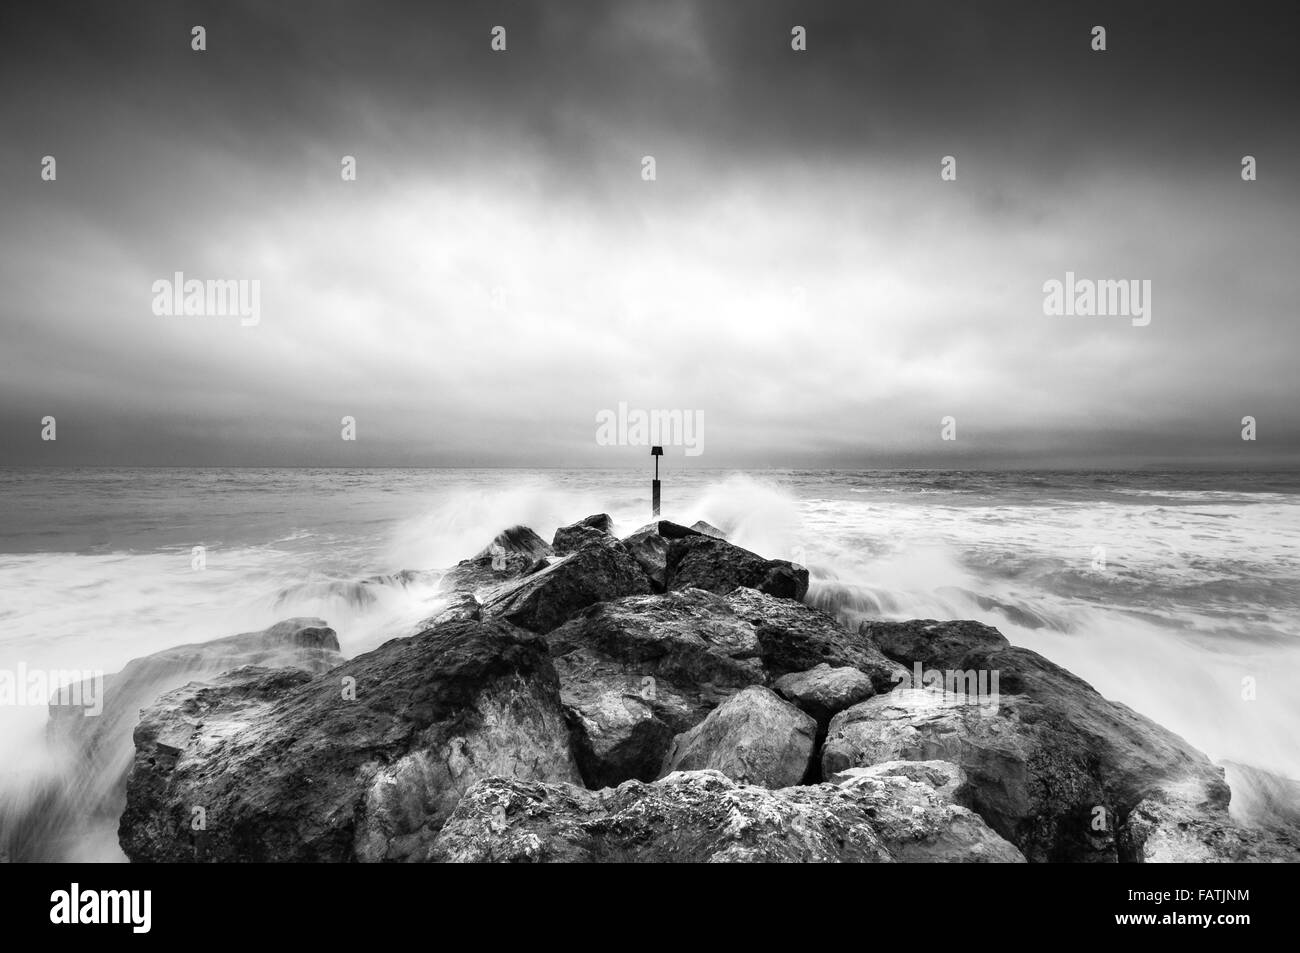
[{"x": 1177, "y": 593}]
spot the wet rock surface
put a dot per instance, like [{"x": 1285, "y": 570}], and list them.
[
  {"x": 706, "y": 817},
  {"x": 601, "y": 569},
  {"x": 637, "y": 671},
  {"x": 755, "y": 737},
  {"x": 362, "y": 763},
  {"x": 665, "y": 697},
  {"x": 100, "y": 741},
  {"x": 706, "y": 562},
  {"x": 571, "y": 537}
]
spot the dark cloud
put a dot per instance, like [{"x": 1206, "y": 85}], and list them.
[{"x": 499, "y": 272}]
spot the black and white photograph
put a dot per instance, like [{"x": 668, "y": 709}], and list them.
[{"x": 631, "y": 432}]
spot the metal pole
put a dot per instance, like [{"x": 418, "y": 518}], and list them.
[{"x": 656, "y": 452}]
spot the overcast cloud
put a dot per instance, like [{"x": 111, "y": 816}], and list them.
[{"x": 499, "y": 272}]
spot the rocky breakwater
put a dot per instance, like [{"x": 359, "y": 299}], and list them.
[
  {"x": 667, "y": 696},
  {"x": 76, "y": 814}
]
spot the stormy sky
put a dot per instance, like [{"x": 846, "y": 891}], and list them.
[{"x": 499, "y": 272}]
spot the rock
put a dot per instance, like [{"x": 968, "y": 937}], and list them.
[
  {"x": 1176, "y": 827},
  {"x": 1044, "y": 754},
  {"x": 1032, "y": 776},
  {"x": 914, "y": 814},
  {"x": 824, "y": 691},
  {"x": 705, "y": 562},
  {"x": 667, "y": 529},
  {"x": 85, "y": 809},
  {"x": 926, "y": 725},
  {"x": 795, "y": 637},
  {"x": 483, "y": 576},
  {"x": 912, "y": 724},
  {"x": 754, "y": 737},
  {"x": 301, "y": 643},
  {"x": 708, "y": 529},
  {"x": 944, "y": 777},
  {"x": 361, "y": 764},
  {"x": 571, "y": 537},
  {"x": 704, "y": 816},
  {"x": 938, "y": 645},
  {"x": 518, "y": 539},
  {"x": 602, "y": 569},
  {"x": 459, "y": 607},
  {"x": 614, "y": 662},
  {"x": 512, "y": 554},
  {"x": 649, "y": 547},
  {"x": 636, "y": 671}
]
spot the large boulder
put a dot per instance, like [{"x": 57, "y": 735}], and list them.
[
  {"x": 699, "y": 561},
  {"x": 512, "y": 554},
  {"x": 636, "y": 671},
  {"x": 649, "y": 547},
  {"x": 1050, "y": 764},
  {"x": 795, "y": 637},
  {"x": 518, "y": 539},
  {"x": 599, "y": 570},
  {"x": 361, "y": 764},
  {"x": 914, "y": 811},
  {"x": 571, "y": 537},
  {"x": 79, "y": 819},
  {"x": 925, "y": 724},
  {"x": 754, "y": 737},
  {"x": 708, "y": 529},
  {"x": 824, "y": 690},
  {"x": 481, "y": 577},
  {"x": 704, "y": 816},
  {"x": 935, "y": 645}
]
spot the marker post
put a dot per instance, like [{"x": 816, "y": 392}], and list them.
[{"x": 655, "y": 452}]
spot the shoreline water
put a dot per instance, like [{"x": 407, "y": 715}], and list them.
[{"x": 1197, "y": 592}]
